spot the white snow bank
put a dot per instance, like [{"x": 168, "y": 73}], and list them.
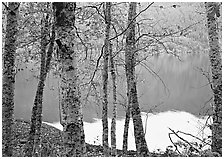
[{"x": 157, "y": 129}]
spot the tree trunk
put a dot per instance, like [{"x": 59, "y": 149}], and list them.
[
  {"x": 105, "y": 78},
  {"x": 33, "y": 143},
  {"x": 141, "y": 145},
  {"x": 8, "y": 79},
  {"x": 126, "y": 126},
  {"x": 70, "y": 104},
  {"x": 213, "y": 12},
  {"x": 114, "y": 117}
]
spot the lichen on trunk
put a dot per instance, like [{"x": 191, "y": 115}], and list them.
[
  {"x": 126, "y": 126},
  {"x": 8, "y": 79},
  {"x": 130, "y": 58},
  {"x": 33, "y": 142},
  {"x": 105, "y": 79},
  {"x": 114, "y": 116},
  {"x": 70, "y": 104},
  {"x": 213, "y": 12}
]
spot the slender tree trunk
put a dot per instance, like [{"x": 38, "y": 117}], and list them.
[
  {"x": 212, "y": 9},
  {"x": 126, "y": 126},
  {"x": 141, "y": 145},
  {"x": 8, "y": 79},
  {"x": 105, "y": 78},
  {"x": 70, "y": 104},
  {"x": 114, "y": 117},
  {"x": 33, "y": 143}
]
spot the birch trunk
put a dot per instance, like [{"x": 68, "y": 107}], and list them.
[
  {"x": 212, "y": 9},
  {"x": 105, "y": 78},
  {"x": 114, "y": 116},
  {"x": 33, "y": 143},
  {"x": 126, "y": 126},
  {"x": 141, "y": 145},
  {"x": 8, "y": 79},
  {"x": 70, "y": 104},
  {"x": 126, "y": 123}
]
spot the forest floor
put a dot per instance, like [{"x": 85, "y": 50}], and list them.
[{"x": 51, "y": 139}]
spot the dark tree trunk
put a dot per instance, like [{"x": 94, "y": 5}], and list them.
[
  {"x": 213, "y": 11},
  {"x": 8, "y": 79},
  {"x": 70, "y": 104},
  {"x": 32, "y": 146},
  {"x": 130, "y": 56},
  {"x": 105, "y": 78}
]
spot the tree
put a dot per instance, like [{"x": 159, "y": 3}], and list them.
[
  {"x": 8, "y": 79},
  {"x": 126, "y": 125},
  {"x": 114, "y": 116},
  {"x": 105, "y": 77},
  {"x": 130, "y": 58},
  {"x": 70, "y": 104},
  {"x": 213, "y": 12},
  {"x": 36, "y": 118}
]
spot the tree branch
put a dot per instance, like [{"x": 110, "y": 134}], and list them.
[
  {"x": 175, "y": 133},
  {"x": 131, "y": 22}
]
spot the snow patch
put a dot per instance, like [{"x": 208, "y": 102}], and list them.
[{"x": 157, "y": 129}]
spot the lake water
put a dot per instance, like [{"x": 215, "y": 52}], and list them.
[{"x": 186, "y": 89}]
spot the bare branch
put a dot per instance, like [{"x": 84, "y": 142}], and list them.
[
  {"x": 175, "y": 133},
  {"x": 86, "y": 48},
  {"x": 97, "y": 9},
  {"x": 131, "y": 22},
  {"x": 155, "y": 75},
  {"x": 97, "y": 64},
  {"x": 175, "y": 145},
  {"x": 193, "y": 137}
]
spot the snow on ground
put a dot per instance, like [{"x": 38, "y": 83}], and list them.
[{"x": 157, "y": 129}]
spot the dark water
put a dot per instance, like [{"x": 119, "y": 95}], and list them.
[{"x": 186, "y": 89}]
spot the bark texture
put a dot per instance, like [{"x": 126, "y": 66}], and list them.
[
  {"x": 105, "y": 78},
  {"x": 8, "y": 79},
  {"x": 141, "y": 145},
  {"x": 70, "y": 104},
  {"x": 114, "y": 116},
  {"x": 126, "y": 126},
  {"x": 33, "y": 143},
  {"x": 212, "y": 9}
]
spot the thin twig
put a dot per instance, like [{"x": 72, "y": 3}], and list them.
[
  {"x": 193, "y": 137},
  {"x": 97, "y": 64},
  {"x": 98, "y": 11},
  {"x": 175, "y": 133},
  {"x": 175, "y": 145},
  {"x": 169, "y": 34},
  {"x": 86, "y": 48},
  {"x": 156, "y": 74},
  {"x": 150, "y": 111},
  {"x": 131, "y": 22}
]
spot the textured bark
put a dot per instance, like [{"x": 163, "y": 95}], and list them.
[
  {"x": 8, "y": 79},
  {"x": 141, "y": 145},
  {"x": 105, "y": 78},
  {"x": 212, "y": 10},
  {"x": 114, "y": 116},
  {"x": 33, "y": 143},
  {"x": 126, "y": 127},
  {"x": 70, "y": 104}
]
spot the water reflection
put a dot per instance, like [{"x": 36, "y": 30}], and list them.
[{"x": 185, "y": 90}]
